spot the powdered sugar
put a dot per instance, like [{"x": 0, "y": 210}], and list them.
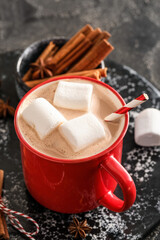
[
  {"x": 132, "y": 116},
  {"x": 143, "y": 166},
  {"x": 55, "y": 225},
  {"x": 4, "y": 135},
  {"x": 158, "y": 205}
]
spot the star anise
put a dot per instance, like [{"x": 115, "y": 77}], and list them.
[
  {"x": 6, "y": 108},
  {"x": 41, "y": 70},
  {"x": 79, "y": 228}
]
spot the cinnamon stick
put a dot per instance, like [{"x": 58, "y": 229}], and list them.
[
  {"x": 93, "y": 35},
  {"x": 88, "y": 73},
  {"x": 104, "y": 35},
  {"x": 6, "y": 234},
  {"x": 70, "y": 45},
  {"x": 66, "y": 50},
  {"x": 85, "y": 30},
  {"x": 1, "y": 180},
  {"x": 95, "y": 75},
  {"x": 85, "y": 50},
  {"x": 2, "y": 231},
  {"x": 93, "y": 58},
  {"x": 53, "y": 52},
  {"x": 50, "y": 57},
  {"x": 46, "y": 51},
  {"x": 43, "y": 56},
  {"x": 77, "y": 52},
  {"x": 73, "y": 56},
  {"x": 3, "y": 226},
  {"x": 102, "y": 71},
  {"x": 105, "y": 48}
]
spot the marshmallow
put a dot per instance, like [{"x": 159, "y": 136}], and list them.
[
  {"x": 147, "y": 128},
  {"x": 72, "y": 95},
  {"x": 42, "y": 116},
  {"x": 82, "y": 131}
]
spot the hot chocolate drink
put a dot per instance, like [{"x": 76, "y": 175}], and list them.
[{"x": 102, "y": 104}]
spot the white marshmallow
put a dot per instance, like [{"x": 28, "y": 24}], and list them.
[
  {"x": 147, "y": 128},
  {"x": 72, "y": 95},
  {"x": 82, "y": 131},
  {"x": 42, "y": 116}
]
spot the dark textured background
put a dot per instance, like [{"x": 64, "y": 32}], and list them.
[{"x": 134, "y": 25}]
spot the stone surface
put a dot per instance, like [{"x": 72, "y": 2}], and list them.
[{"x": 134, "y": 25}]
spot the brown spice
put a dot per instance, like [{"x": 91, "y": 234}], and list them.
[
  {"x": 41, "y": 69},
  {"x": 93, "y": 57},
  {"x": 84, "y": 51},
  {"x": 46, "y": 52},
  {"x": 1, "y": 180},
  {"x": 79, "y": 228},
  {"x": 85, "y": 30},
  {"x": 2, "y": 231},
  {"x": 3, "y": 226},
  {"x": 64, "y": 51},
  {"x": 71, "y": 57},
  {"x": 93, "y": 73},
  {"x": 5, "y": 109}
]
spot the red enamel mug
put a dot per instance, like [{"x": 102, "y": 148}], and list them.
[{"x": 80, "y": 185}]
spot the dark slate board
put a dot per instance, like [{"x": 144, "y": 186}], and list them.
[{"x": 142, "y": 163}]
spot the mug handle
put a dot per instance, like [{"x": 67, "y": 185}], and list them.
[{"x": 119, "y": 173}]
